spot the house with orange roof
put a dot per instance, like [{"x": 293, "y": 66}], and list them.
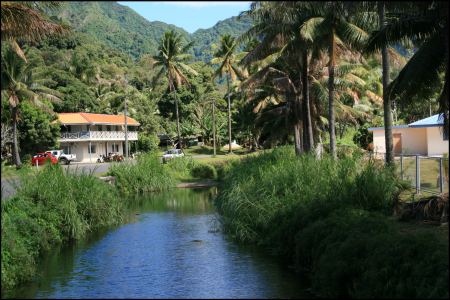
[{"x": 90, "y": 135}]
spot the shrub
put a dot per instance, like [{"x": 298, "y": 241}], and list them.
[
  {"x": 360, "y": 254},
  {"x": 146, "y": 175},
  {"x": 204, "y": 171},
  {"x": 26, "y": 160},
  {"x": 363, "y": 137},
  {"x": 49, "y": 208},
  {"x": 181, "y": 167},
  {"x": 331, "y": 217}
]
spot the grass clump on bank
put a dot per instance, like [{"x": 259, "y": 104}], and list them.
[
  {"x": 50, "y": 208},
  {"x": 330, "y": 217},
  {"x": 146, "y": 175},
  {"x": 186, "y": 168}
]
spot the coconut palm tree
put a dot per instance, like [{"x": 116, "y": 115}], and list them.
[
  {"x": 227, "y": 60},
  {"x": 20, "y": 83},
  {"x": 335, "y": 29},
  {"x": 426, "y": 25},
  {"x": 172, "y": 59},
  {"x": 285, "y": 31},
  {"x": 26, "y": 21}
]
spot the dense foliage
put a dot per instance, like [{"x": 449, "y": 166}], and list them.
[
  {"x": 51, "y": 208},
  {"x": 331, "y": 219},
  {"x": 146, "y": 175}
]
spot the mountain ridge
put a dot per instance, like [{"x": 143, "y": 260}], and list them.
[{"x": 122, "y": 28}]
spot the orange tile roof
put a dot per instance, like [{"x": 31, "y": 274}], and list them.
[{"x": 88, "y": 118}]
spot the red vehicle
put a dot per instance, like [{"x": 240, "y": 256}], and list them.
[{"x": 42, "y": 158}]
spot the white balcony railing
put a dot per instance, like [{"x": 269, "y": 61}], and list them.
[{"x": 98, "y": 135}]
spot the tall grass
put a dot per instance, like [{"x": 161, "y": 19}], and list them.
[
  {"x": 146, "y": 175},
  {"x": 50, "y": 208},
  {"x": 327, "y": 216}
]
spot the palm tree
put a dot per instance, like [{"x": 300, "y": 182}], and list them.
[
  {"x": 426, "y": 25},
  {"x": 26, "y": 21},
  {"x": 20, "y": 83},
  {"x": 171, "y": 58},
  {"x": 227, "y": 60},
  {"x": 283, "y": 26},
  {"x": 335, "y": 29},
  {"x": 386, "y": 100}
]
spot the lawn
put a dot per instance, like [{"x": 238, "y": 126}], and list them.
[
  {"x": 429, "y": 173},
  {"x": 9, "y": 172}
]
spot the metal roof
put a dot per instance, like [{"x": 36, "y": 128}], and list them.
[
  {"x": 433, "y": 121},
  {"x": 393, "y": 127}
]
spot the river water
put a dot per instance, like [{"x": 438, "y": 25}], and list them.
[{"x": 171, "y": 248}]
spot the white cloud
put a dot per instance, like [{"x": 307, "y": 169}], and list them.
[{"x": 206, "y": 3}]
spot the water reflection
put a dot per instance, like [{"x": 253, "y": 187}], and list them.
[{"x": 168, "y": 251}]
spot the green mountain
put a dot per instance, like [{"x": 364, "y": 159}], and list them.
[
  {"x": 117, "y": 26},
  {"x": 204, "y": 38},
  {"x": 120, "y": 27}
]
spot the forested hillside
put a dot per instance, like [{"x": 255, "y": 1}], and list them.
[{"x": 122, "y": 28}]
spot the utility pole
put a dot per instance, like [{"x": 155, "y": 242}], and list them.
[
  {"x": 126, "y": 129},
  {"x": 214, "y": 126}
]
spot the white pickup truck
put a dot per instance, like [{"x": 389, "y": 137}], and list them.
[{"x": 62, "y": 157}]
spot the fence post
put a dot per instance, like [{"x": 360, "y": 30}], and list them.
[
  {"x": 37, "y": 167},
  {"x": 417, "y": 174},
  {"x": 401, "y": 166},
  {"x": 441, "y": 178}
]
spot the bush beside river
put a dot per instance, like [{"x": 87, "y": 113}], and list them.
[
  {"x": 50, "y": 208},
  {"x": 332, "y": 220}
]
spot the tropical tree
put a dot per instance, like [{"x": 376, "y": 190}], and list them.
[
  {"x": 227, "y": 60},
  {"x": 335, "y": 28},
  {"x": 425, "y": 24},
  {"x": 172, "y": 59},
  {"x": 26, "y": 21},
  {"x": 283, "y": 31},
  {"x": 19, "y": 83}
]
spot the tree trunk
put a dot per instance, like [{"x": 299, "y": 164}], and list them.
[
  {"x": 17, "y": 161},
  {"x": 229, "y": 115},
  {"x": 176, "y": 112},
  {"x": 297, "y": 137},
  {"x": 443, "y": 99},
  {"x": 331, "y": 117},
  {"x": 298, "y": 132},
  {"x": 386, "y": 100},
  {"x": 306, "y": 105},
  {"x": 214, "y": 127}
]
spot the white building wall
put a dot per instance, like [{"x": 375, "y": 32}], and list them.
[
  {"x": 81, "y": 149},
  {"x": 435, "y": 141},
  {"x": 414, "y": 140}
]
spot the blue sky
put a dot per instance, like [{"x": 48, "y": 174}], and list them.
[{"x": 188, "y": 15}]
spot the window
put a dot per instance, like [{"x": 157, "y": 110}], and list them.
[
  {"x": 115, "y": 147},
  {"x": 92, "y": 149},
  {"x": 66, "y": 149}
]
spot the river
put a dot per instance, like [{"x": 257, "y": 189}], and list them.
[{"x": 172, "y": 247}]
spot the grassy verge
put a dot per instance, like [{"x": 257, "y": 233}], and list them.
[
  {"x": 9, "y": 172},
  {"x": 331, "y": 219},
  {"x": 50, "y": 208}
]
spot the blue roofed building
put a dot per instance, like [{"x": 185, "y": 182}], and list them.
[{"x": 423, "y": 137}]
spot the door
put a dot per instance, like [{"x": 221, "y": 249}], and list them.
[{"x": 397, "y": 143}]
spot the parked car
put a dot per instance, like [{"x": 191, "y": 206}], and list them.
[
  {"x": 42, "y": 158},
  {"x": 172, "y": 153},
  {"x": 62, "y": 157}
]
